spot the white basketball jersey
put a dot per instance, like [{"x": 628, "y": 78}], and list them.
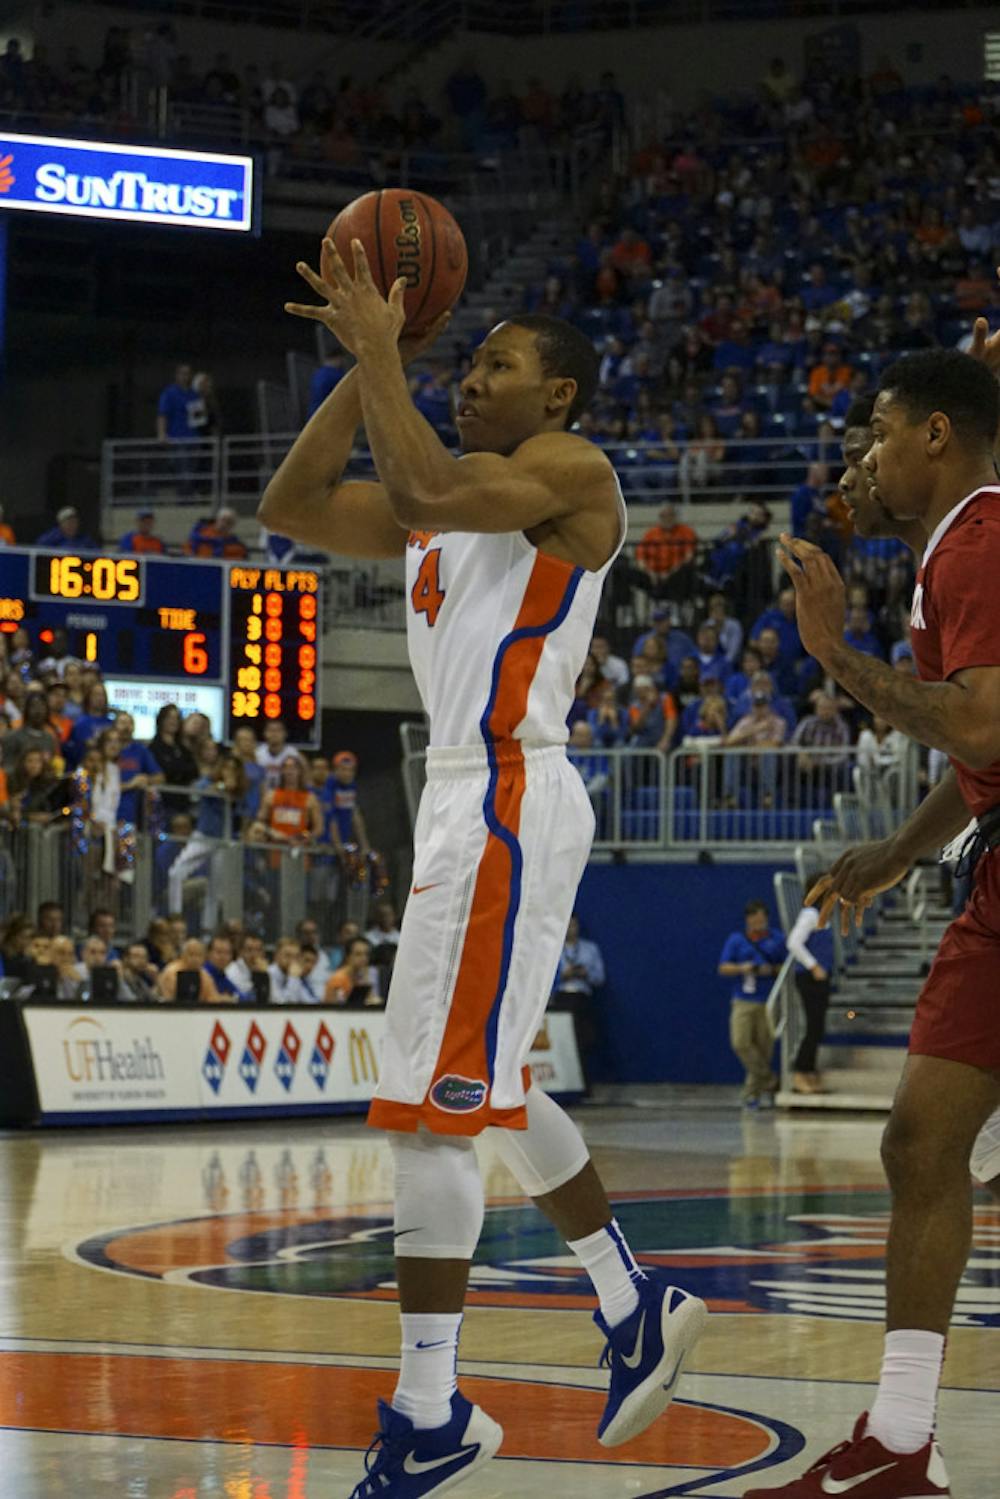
[{"x": 498, "y": 632}]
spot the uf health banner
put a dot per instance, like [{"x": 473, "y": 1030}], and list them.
[
  {"x": 144, "y": 184},
  {"x": 113, "y": 1063}
]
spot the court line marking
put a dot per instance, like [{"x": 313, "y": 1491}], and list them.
[{"x": 478, "y": 1368}]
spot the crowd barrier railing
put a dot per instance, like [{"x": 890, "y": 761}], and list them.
[
  {"x": 155, "y": 869},
  {"x": 235, "y": 470},
  {"x": 725, "y": 797},
  {"x": 706, "y": 796}
]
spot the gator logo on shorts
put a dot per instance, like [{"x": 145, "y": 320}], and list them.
[{"x": 459, "y": 1095}]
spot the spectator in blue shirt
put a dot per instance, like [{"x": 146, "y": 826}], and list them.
[
  {"x": 750, "y": 959},
  {"x": 676, "y": 644},
  {"x": 222, "y": 793},
  {"x": 781, "y": 671},
  {"x": 65, "y": 535},
  {"x": 608, "y": 721},
  {"x": 858, "y": 633},
  {"x": 646, "y": 718},
  {"x": 730, "y": 630},
  {"x": 180, "y": 410},
  {"x": 712, "y": 661},
  {"x": 245, "y": 750},
  {"x": 220, "y": 956},
  {"x": 709, "y": 716},
  {"x": 102, "y": 926},
  {"x": 781, "y": 618},
  {"x": 93, "y": 719},
  {"x": 751, "y": 662},
  {"x": 581, "y": 972},
  {"x": 137, "y": 768},
  {"x": 808, "y": 499},
  {"x": 325, "y": 379}
]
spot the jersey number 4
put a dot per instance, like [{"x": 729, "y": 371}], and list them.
[{"x": 428, "y": 595}]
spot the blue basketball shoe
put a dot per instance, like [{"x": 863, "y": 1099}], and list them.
[
  {"x": 411, "y": 1464},
  {"x": 647, "y": 1353}
]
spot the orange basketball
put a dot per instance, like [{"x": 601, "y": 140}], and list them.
[{"x": 411, "y": 235}]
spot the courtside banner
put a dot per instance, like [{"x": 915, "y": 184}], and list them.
[
  {"x": 113, "y": 1062},
  {"x": 142, "y": 184}
]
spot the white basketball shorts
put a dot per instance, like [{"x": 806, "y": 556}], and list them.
[{"x": 500, "y": 847}]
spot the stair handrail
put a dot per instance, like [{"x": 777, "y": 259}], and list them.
[{"x": 776, "y": 1006}]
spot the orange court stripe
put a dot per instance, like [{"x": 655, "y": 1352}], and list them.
[{"x": 324, "y": 1406}]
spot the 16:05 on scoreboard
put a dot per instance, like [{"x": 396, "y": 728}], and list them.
[{"x": 250, "y": 633}]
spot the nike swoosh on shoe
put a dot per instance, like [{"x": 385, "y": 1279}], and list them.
[
  {"x": 633, "y": 1360},
  {"x": 844, "y": 1485},
  {"x": 415, "y": 1468}
]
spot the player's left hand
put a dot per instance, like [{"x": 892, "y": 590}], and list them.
[
  {"x": 820, "y": 596},
  {"x": 354, "y": 310}
]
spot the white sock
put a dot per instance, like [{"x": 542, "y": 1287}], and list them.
[
  {"x": 905, "y": 1408},
  {"x": 611, "y": 1266},
  {"x": 427, "y": 1374}
]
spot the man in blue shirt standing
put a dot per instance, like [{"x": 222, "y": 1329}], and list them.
[
  {"x": 178, "y": 408},
  {"x": 581, "y": 971},
  {"x": 137, "y": 768},
  {"x": 180, "y": 418},
  {"x": 751, "y": 958}
]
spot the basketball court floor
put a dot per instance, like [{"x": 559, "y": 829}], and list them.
[{"x": 195, "y": 1313}]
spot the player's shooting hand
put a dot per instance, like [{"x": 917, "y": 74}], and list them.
[
  {"x": 354, "y": 309},
  {"x": 820, "y": 596},
  {"x": 985, "y": 346},
  {"x": 855, "y": 880}
]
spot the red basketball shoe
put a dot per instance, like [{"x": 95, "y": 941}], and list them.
[{"x": 864, "y": 1469}]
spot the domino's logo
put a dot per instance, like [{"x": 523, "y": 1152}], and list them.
[
  {"x": 213, "y": 1069},
  {"x": 253, "y": 1057},
  {"x": 288, "y": 1056},
  {"x": 322, "y": 1056}
]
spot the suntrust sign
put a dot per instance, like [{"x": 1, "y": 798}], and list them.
[{"x": 144, "y": 184}]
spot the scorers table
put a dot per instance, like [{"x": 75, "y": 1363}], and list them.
[{"x": 238, "y": 641}]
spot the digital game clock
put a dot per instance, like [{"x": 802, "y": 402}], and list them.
[{"x": 238, "y": 638}]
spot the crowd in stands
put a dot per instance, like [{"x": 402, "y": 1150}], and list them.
[
  {"x": 313, "y": 118},
  {"x": 210, "y": 536},
  {"x": 231, "y": 966},
  {"x": 761, "y": 260},
  {"x": 66, "y": 755},
  {"x": 740, "y": 682}
]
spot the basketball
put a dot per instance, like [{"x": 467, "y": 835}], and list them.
[{"x": 411, "y": 235}]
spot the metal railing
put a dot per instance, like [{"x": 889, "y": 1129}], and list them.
[
  {"x": 701, "y": 796},
  {"x": 269, "y": 887},
  {"x": 720, "y": 797},
  {"x": 236, "y": 469}
]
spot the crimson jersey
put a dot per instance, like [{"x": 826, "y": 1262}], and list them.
[{"x": 955, "y": 618}]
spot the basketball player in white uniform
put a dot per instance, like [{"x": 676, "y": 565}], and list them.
[{"x": 507, "y": 548}]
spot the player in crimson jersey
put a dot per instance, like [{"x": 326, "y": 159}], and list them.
[
  {"x": 871, "y": 519},
  {"x": 934, "y": 425}
]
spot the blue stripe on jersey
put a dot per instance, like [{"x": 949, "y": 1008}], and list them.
[{"x": 493, "y": 822}]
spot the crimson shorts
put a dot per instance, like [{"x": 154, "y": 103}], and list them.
[{"x": 958, "y": 1012}]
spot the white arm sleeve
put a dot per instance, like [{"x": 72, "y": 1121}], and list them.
[{"x": 805, "y": 924}]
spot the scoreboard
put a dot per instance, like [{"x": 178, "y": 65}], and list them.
[{"x": 251, "y": 632}]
